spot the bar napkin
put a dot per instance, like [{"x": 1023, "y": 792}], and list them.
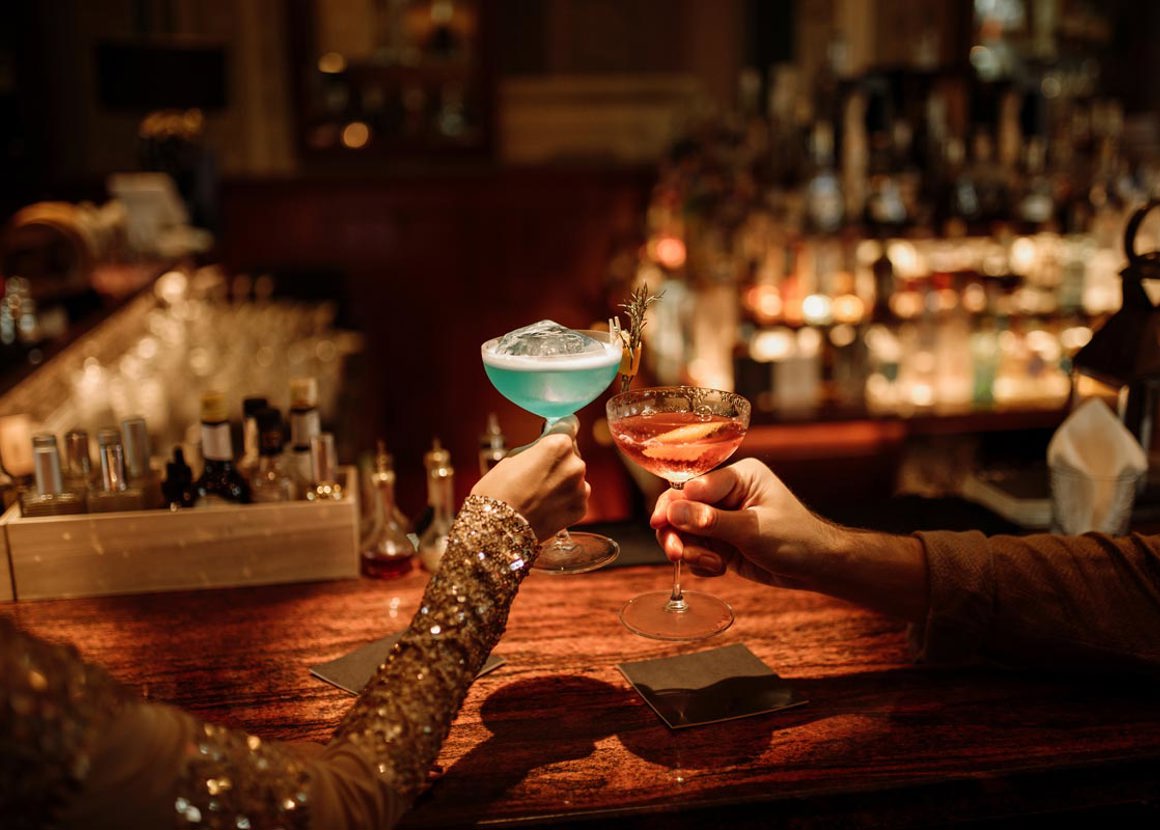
[
  {"x": 354, "y": 670},
  {"x": 709, "y": 686},
  {"x": 1095, "y": 465}
]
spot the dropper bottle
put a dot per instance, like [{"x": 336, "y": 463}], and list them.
[
  {"x": 388, "y": 552},
  {"x": 492, "y": 445},
  {"x": 440, "y": 502}
]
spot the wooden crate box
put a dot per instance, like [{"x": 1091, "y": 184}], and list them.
[
  {"x": 6, "y": 594},
  {"x": 97, "y": 554}
]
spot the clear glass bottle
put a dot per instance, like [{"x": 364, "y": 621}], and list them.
[
  {"x": 270, "y": 482},
  {"x": 251, "y": 406},
  {"x": 138, "y": 462},
  {"x": 115, "y": 494},
  {"x": 824, "y": 203},
  {"x": 440, "y": 502},
  {"x": 324, "y": 462},
  {"x": 78, "y": 474},
  {"x": 492, "y": 445},
  {"x": 220, "y": 482},
  {"x": 305, "y": 423},
  {"x": 50, "y": 498},
  {"x": 387, "y": 552}
]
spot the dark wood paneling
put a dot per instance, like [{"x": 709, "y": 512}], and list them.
[{"x": 429, "y": 266}]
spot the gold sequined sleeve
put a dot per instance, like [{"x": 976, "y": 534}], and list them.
[
  {"x": 403, "y": 716},
  {"x": 94, "y": 756}
]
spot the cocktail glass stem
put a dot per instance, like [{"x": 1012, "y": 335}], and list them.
[
  {"x": 563, "y": 540},
  {"x": 591, "y": 550},
  {"x": 676, "y": 603}
]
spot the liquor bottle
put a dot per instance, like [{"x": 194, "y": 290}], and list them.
[
  {"x": 991, "y": 187},
  {"x": 388, "y": 551},
  {"x": 305, "y": 423},
  {"x": 884, "y": 286},
  {"x": 138, "y": 468},
  {"x": 887, "y": 142},
  {"x": 270, "y": 482},
  {"x": 50, "y": 498},
  {"x": 250, "y": 408},
  {"x": 79, "y": 476},
  {"x": 115, "y": 494},
  {"x": 1036, "y": 204},
  {"x": 178, "y": 485},
  {"x": 824, "y": 203},
  {"x": 440, "y": 501},
  {"x": 324, "y": 462},
  {"x": 492, "y": 445},
  {"x": 958, "y": 209},
  {"x": 220, "y": 481}
]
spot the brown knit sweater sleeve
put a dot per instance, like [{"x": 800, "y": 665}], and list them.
[{"x": 1090, "y": 601}]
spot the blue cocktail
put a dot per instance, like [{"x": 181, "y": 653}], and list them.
[{"x": 553, "y": 372}]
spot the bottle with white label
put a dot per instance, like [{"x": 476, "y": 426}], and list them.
[
  {"x": 220, "y": 482},
  {"x": 305, "y": 424}
]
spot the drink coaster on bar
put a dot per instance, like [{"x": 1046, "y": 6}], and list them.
[
  {"x": 353, "y": 671},
  {"x": 709, "y": 686}
]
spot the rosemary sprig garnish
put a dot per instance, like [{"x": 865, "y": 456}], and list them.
[{"x": 638, "y": 302}]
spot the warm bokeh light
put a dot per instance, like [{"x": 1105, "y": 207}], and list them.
[
  {"x": 331, "y": 63},
  {"x": 906, "y": 304},
  {"x": 843, "y": 335},
  {"x": 904, "y": 256},
  {"x": 946, "y": 299},
  {"x": 975, "y": 298},
  {"x": 809, "y": 342},
  {"x": 1043, "y": 343},
  {"x": 668, "y": 251},
  {"x": 1075, "y": 338},
  {"x": 355, "y": 135},
  {"x": 769, "y": 345},
  {"x": 848, "y": 308},
  {"x": 1024, "y": 255},
  {"x": 816, "y": 309},
  {"x": 764, "y": 303},
  {"x": 867, "y": 251}
]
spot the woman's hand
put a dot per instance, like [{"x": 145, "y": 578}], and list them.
[{"x": 543, "y": 481}]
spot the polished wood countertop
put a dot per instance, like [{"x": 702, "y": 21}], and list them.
[{"x": 557, "y": 736}]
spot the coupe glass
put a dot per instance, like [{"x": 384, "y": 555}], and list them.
[
  {"x": 677, "y": 433},
  {"x": 554, "y": 387}
]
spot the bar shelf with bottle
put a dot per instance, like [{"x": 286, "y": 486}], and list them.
[
  {"x": 918, "y": 244},
  {"x": 76, "y": 529}
]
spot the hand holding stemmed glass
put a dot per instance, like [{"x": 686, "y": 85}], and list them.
[
  {"x": 677, "y": 433},
  {"x": 553, "y": 371}
]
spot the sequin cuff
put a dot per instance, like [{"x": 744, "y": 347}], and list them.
[{"x": 404, "y": 714}]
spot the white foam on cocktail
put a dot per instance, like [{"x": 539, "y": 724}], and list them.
[{"x": 609, "y": 353}]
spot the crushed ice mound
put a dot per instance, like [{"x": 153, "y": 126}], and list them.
[{"x": 546, "y": 338}]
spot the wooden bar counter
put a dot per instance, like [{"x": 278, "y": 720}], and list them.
[{"x": 556, "y": 736}]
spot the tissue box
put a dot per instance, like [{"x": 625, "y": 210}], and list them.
[{"x": 97, "y": 554}]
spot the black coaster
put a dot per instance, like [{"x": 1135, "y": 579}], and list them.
[
  {"x": 709, "y": 686},
  {"x": 353, "y": 671}
]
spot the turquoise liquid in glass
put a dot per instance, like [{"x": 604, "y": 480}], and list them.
[{"x": 553, "y": 386}]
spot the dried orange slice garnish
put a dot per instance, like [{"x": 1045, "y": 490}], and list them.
[
  {"x": 674, "y": 452},
  {"x": 689, "y": 432}
]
